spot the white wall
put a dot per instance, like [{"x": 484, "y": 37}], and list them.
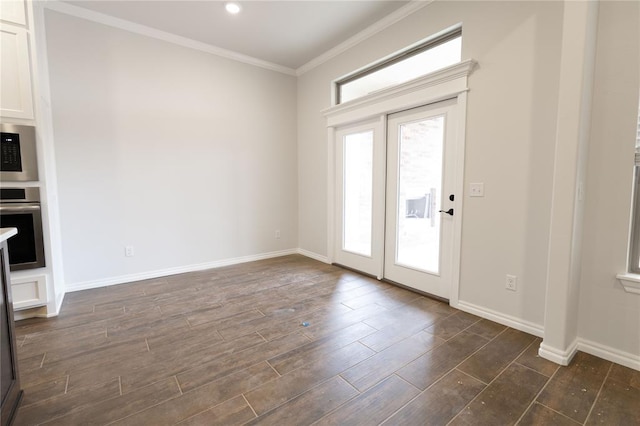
[
  {"x": 511, "y": 121},
  {"x": 608, "y": 315},
  {"x": 121, "y": 101},
  {"x": 189, "y": 157}
]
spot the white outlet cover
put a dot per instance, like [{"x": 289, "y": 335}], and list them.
[
  {"x": 476, "y": 189},
  {"x": 511, "y": 282}
]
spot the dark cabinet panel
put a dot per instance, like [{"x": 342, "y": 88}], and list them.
[{"x": 9, "y": 379}]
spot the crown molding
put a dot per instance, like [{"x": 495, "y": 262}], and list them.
[
  {"x": 392, "y": 18},
  {"x": 101, "y": 18},
  {"x": 144, "y": 30}
]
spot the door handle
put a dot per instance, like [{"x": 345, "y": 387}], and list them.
[{"x": 449, "y": 212}]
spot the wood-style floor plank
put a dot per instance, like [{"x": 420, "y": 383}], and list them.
[
  {"x": 65, "y": 403},
  {"x": 505, "y": 399},
  {"x": 489, "y": 361},
  {"x": 439, "y": 403},
  {"x": 281, "y": 390},
  {"x": 235, "y": 411},
  {"x": 109, "y": 410},
  {"x": 379, "y": 403},
  {"x": 228, "y": 346},
  {"x": 386, "y": 362},
  {"x": 573, "y": 390},
  {"x": 203, "y": 398},
  {"x": 310, "y": 406}
]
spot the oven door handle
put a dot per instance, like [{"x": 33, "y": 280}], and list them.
[{"x": 22, "y": 208}]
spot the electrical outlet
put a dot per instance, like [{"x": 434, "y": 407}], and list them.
[
  {"x": 511, "y": 282},
  {"x": 128, "y": 251},
  {"x": 277, "y": 234}
]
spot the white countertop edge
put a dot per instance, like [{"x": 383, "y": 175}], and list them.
[{"x": 6, "y": 233}]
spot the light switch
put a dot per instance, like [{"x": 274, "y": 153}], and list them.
[{"x": 476, "y": 189}]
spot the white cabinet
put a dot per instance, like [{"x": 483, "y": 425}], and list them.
[
  {"x": 23, "y": 96},
  {"x": 16, "y": 100},
  {"x": 29, "y": 292},
  {"x": 13, "y": 11}
]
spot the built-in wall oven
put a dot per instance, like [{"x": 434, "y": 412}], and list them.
[
  {"x": 18, "y": 160},
  {"x": 20, "y": 208}
]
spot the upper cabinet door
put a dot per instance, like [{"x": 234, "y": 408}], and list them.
[
  {"x": 13, "y": 11},
  {"x": 16, "y": 100}
]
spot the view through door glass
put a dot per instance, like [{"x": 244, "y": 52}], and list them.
[
  {"x": 358, "y": 192},
  {"x": 419, "y": 190}
]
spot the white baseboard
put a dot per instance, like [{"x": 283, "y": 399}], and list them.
[
  {"x": 495, "y": 316},
  {"x": 610, "y": 354},
  {"x": 562, "y": 357},
  {"x": 38, "y": 312},
  {"x": 59, "y": 300},
  {"x": 313, "y": 255},
  {"x": 559, "y": 356},
  {"x": 173, "y": 271}
]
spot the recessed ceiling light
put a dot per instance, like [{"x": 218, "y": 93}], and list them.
[{"x": 232, "y": 8}]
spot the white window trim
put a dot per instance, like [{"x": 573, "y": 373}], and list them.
[
  {"x": 445, "y": 83},
  {"x": 630, "y": 282}
]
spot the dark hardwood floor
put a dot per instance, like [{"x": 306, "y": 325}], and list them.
[{"x": 292, "y": 341}]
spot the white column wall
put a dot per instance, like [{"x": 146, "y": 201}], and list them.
[
  {"x": 572, "y": 139},
  {"x": 609, "y": 317}
]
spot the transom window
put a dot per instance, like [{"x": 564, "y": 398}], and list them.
[{"x": 411, "y": 63}]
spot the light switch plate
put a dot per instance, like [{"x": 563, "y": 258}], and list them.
[{"x": 476, "y": 189}]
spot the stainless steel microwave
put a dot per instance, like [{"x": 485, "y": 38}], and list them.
[{"x": 18, "y": 153}]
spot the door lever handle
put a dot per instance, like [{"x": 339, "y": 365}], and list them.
[{"x": 449, "y": 212}]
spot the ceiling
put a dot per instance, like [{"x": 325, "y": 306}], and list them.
[{"x": 286, "y": 33}]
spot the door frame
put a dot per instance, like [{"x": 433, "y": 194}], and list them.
[{"x": 448, "y": 83}]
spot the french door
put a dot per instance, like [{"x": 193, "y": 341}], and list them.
[
  {"x": 360, "y": 196},
  {"x": 395, "y": 204}
]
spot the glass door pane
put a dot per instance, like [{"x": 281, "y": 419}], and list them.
[
  {"x": 358, "y": 192},
  {"x": 357, "y": 236},
  {"x": 420, "y": 156},
  {"x": 419, "y": 239}
]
